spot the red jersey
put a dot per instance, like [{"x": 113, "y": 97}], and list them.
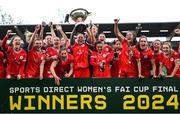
[
  {"x": 146, "y": 66},
  {"x": 128, "y": 60},
  {"x": 64, "y": 66},
  {"x": 96, "y": 59},
  {"x": 15, "y": 60},
  {"x": 116, "y": 66},
  {"x": 49, "y": 52},
  {"x": 33, "y": 64},
  {"x": 2, "y": 67},
  {"x": 81, "y": 65},
  {"x": 157, "y": 58},
  {"x": 169, "y": 63}
]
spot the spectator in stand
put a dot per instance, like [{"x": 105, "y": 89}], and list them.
[
  {"x": 130, "y": 56},
  {"x": 16, "y": 57},
  {"x": 36, "y": 56},
  {"x": 170, "y": 60}
]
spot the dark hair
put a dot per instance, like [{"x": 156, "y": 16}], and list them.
[
  {"x": 158, "y": 41},
  {"x": 138, "y": 45},
  {"x": 134, "y": 42},
  {"x": 63, "y": 48},
  {"x": 96, "y": 43}
]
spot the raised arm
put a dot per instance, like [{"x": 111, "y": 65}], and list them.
[
  {"x": 177, "y": 31},
  {"x": 52, "y": 30},
  {"x": 91, "y": 37},
  {"x": 72, "y": 40},
  {"x": 117, "y": 32},
  {"x": 41, "y": 34},
  {"x": 37, "y": 28},
  {"x": 53, "y": 65},
  {"x": 23, "y": 37},
  {"x": 59, "y": 28},
  {"x": 4, "y": 45}
]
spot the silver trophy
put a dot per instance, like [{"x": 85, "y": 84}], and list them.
[{"x": 79, "y": 15}]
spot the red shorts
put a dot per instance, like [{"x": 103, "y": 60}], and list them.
[
  {"x": 2, "y": 74},
  {"x": 128, "y": 75},
  {"x": 12, "y": 76},
  {"x": 31, "y": 76},
  {"x": 82, "y": 73}
]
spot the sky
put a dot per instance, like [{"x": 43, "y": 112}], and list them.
[{"x": 103, "y": 11}]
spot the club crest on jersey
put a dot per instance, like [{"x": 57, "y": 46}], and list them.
[
  {"x": 21, "y": 57},
  {"x": 104, "y": 55},
  {"x": 145, "y": 56},
  {"x": 82, "y": 45},
  {"x": 42, "y": 58},
  {"x": 107, "y": 49},
  {"x": 172, "y": 59}
]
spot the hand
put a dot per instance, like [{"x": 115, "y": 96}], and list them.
[
  {"x": 43, "y": 24},
  {"x": 50, "y": 24},
  {"x": 57, "y": 80},
  {"x": 67, "y": 75},
  {"x": 18, "y": 76},
  {"x": 54, "y": 57},
  {"x": 58, "y": 27},
  {"x": 37, "y": 28},
  {"x": 169, "y": 76},
  {"x": 141, "y": 76},
  {"x": 40, "y": 77},
  {"x": 116, "y": 21},
  {"x": 177, "y": 31},
  {"x": 154, "y": 76},
  {"x": 8, "y": 32}
]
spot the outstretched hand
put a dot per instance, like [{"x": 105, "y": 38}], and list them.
[
  {"x": 177, "y": 31},
  {"x": 116, "y": 21},
  {"x": 8, "y": 32}
]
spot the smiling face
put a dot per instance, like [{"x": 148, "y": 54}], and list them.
[
  {"x": 118, "y": 45},
  {"x": 80, "y": 38},
  {"x": 99, "y": 47},
  {"x": 129, "y": 36},
  {"x": 49, "y": 40},
  {"x": 56, "y": 41},
  {"x": 63, "y": 41},
  {"x": 64, "y": 54},
  {"x": 38, "y": 43},
  {"x": 102, "y": 37},
  {"x": 166, "y": 48},
  {"x": 157, "y": 45},
  {"x": 143, "y": 43},
  {"x": 16, "y": 42}
]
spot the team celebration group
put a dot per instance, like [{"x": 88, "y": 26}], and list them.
[{"x": 85, "y": 55}]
